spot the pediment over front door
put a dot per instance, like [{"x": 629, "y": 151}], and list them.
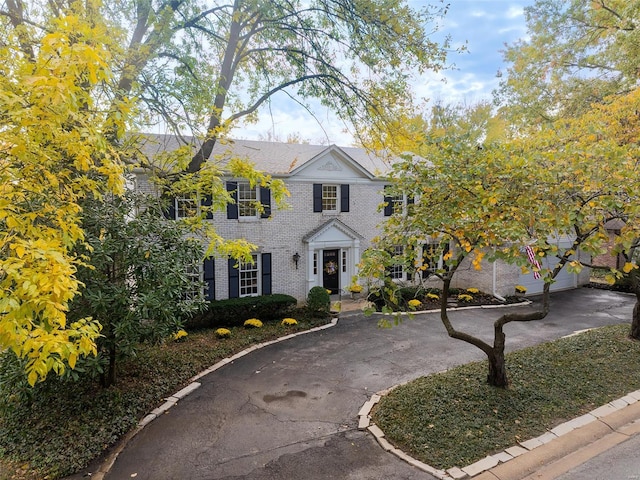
[{"x": 333, "y": 232}]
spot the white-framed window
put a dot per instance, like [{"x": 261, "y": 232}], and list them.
[
  {"x": 194, "y": 275},
  {"x": 344, "y": 261},
  {"x": 247, "y": 200},
  {"x": 315, "y": 263},
  {"x": 397, "y": 203},
  {"x": 329, "y": 198},
  {"x": 396, "y": 271},
  {"x": 186, "y": 207},
  {"x": 431, "y": 257},
  {"x": 249, "y": 273}
]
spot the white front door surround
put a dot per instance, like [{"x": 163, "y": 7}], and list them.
[{"x": 332, "y": 235}]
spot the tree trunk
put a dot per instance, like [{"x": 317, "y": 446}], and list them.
[
  {"x": 635, "y": 322},
  {"x": 497, "y": 376},
  {"x": 635, "y": 318}
]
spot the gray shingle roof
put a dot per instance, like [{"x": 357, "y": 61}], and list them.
[{"x": 269, "y": 157}]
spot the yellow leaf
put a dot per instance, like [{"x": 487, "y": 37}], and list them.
[{"x": 628, "y": 267}]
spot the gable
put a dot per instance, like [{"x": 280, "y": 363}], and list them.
[
  {"x": 332, "y": 231},
  {"x": 332, "y": 164}
]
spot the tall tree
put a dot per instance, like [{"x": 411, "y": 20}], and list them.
[
  {"x": 576, "y": 53},
  {"x": 354, "y": 56},
  {"x": 53, "y": 154}
]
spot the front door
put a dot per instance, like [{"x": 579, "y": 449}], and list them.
[{"x": 330, "y": 270}]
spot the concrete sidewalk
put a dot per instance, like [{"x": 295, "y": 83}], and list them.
[{"x": 290, "y": 410}]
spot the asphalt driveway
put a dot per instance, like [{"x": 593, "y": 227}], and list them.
[{"x": 289, "y": 410}]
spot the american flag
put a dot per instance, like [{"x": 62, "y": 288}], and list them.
[{"x": 534, "y": 261}]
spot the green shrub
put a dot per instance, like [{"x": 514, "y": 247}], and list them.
[
  {"x": 318, "y": 301},
  {"x": 234, "y": 311}
]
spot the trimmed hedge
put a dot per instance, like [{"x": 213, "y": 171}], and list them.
[{"x": 234, "y": 311}]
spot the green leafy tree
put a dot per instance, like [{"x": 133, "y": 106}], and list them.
[
  {"x": 138, "y": 285},
  {"x": 490, "y": 201},
  {"x": 576, "y": 53},
  {"x": 465, "y": 200}
]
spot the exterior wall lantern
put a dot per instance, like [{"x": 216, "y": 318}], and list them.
[{"x": 296, "y": 258}]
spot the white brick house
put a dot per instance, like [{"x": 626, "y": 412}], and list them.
[
  {"x": 318, "y": 240},
  {"x": 334, "y": 213}
]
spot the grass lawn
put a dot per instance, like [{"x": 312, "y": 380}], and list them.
[
  {"x": 65, "y": 425},
  {"x": 455, "y": 419}
]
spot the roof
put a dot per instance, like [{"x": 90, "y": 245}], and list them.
[{"x": 270, "y": 157}]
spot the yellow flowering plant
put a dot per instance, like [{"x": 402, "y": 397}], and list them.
[
  {"x": 521, "y": 289},
  {"x": 473, "y": 290},
  {"x": 414, "y": 303},
  {"x": 463, "y": 297},
  {"x": 223, "y": 333},
  {"x": 253, "y": 323},
  {"x": 287, "y": 322},
  {"x": 178, "y": 335},
  {"x": 433, "y": 296}
]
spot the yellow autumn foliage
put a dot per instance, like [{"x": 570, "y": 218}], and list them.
[{"x": 53, "y": 154}]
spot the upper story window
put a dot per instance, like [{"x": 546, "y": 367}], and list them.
[
  {"x": 247, "y": 200},
  {"x": 396, "y": 203},
  {"x": 185, "y": 207},
  {"x": 329, "y": 198}
]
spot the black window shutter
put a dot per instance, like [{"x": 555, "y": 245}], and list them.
[
  {"x": 266, "y": 274},
  {"x": 209, "y": 279},
  {"x": 344, "y": 198},
  {"x": 265, "y": 200},
  {"x": 317, "y": 197},
  {"x": 169, "y": 210},
  {"x": 388, "y": 208},
  {"x": 234, "y": 279},
  {"x": 232, "y": 208},
  {"x": 206, "y": 202}
]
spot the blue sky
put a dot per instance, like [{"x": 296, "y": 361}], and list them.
[{"x": 486, "y": 25}]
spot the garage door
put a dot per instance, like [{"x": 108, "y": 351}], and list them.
[{"x": 564, "y": 280}]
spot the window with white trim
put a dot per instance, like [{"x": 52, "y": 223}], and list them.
[
  {"x": 194, "y": 275},
  {"x": 247, "y": 200},
  {"x": 315, "y": 263},
  {"x": 249, "y": 273},
  {"x": 344, "y": 261},
  {"x": 186, "y": 207},
  {"x": 431, "y": 258},
  {"x": 329, "y": 198},
  {"x": 396, "y": 271}
]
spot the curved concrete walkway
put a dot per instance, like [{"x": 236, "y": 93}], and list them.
[{"x": 289, "y": 410}]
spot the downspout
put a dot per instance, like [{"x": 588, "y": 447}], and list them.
[{"x": 494, "y": 292}]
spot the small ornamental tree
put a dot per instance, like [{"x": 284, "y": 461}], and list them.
[
  {"x": 137, "y": 283},
  {"x": 465, "y": 200}
]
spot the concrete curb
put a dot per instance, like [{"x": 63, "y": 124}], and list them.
[
  {"x": 191, "y": 387},
  {"x": 542, "y": 458}
]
